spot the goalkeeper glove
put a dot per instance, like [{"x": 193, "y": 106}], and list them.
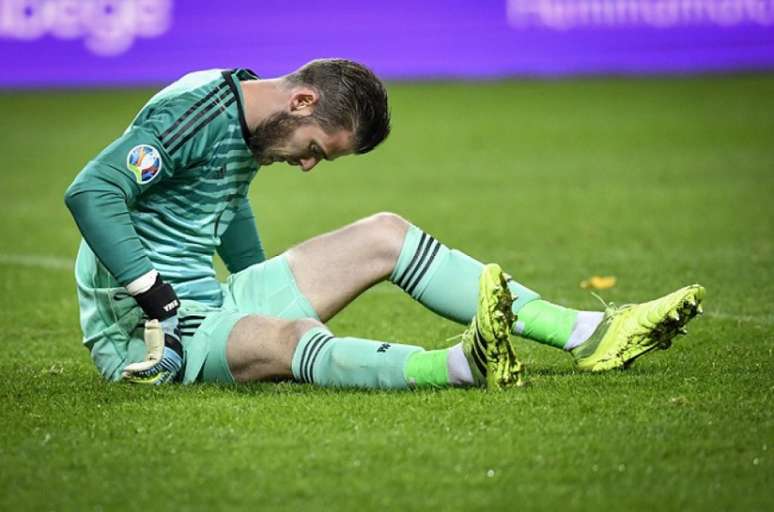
[
  {"x": 161, "y": 365},
  {"x": 164, "y": 356}
]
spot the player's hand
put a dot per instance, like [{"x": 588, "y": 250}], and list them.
[
  {"x": 164, "y": 352},
  {"x": 162, "y": 364}
]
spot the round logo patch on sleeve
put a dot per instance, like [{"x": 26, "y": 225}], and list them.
[{"x": 145, "y": 162}]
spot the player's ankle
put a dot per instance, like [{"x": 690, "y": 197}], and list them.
[{"x": 585, "y": 325}]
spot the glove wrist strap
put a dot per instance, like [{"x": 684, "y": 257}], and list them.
[{"x": 160, "y": 301}]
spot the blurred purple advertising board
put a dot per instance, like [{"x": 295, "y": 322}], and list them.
[{"x": 127, "y": 42}]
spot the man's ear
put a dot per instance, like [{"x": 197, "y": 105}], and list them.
[{"x": 303, "y": 100}]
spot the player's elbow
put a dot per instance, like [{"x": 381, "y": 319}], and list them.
[
  {"x": 74, "y": 199},
  {"x": 70, "y": 198},
  {"x": 90, "y": 191},
  {"x": 82, "y": 200}
]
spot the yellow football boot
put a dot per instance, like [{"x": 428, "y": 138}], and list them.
[
  {"x": 630, "y": 331},
  {"x": 486, "y": 342}
]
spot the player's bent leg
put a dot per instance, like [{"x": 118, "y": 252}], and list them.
[
  {"x": 332, "y": 269},
  {"x": 446, "y": 281}
]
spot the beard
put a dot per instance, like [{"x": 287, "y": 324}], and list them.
[{"x": 272, "y": 134}]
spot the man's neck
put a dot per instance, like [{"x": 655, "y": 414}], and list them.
[{"x": 262, "y": 98}]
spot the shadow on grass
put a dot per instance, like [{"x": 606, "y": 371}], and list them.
[{"x": 79, "y": 388}]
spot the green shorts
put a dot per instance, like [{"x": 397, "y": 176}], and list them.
[{"x": 267, "y": 288}]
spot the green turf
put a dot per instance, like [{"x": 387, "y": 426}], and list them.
[{"x": 660, "y": 182}]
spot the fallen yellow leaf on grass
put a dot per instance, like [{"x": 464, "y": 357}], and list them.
[{"x": 598, "y": 282}]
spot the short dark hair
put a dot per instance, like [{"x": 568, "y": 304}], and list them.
[{"x": 351, "y": 98}]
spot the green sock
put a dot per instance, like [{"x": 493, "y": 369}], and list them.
[
  {"x": 546, "y": 323},
  {"x": 326, "y": 360},
  {"x": 428, "y": 368}
]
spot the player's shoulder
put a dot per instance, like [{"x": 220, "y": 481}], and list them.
[
  {"x": 189, "y": 89},
  {"x": 196, "y": 90},
  {"x": 183, "y": 109}
]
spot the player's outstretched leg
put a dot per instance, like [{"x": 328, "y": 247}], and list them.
[
  {"x": 630, "y": 331},
  {"x": 332, "y": 269},
  {"x": 265, "y": 348},
  {"x": 261, "y": 348}
]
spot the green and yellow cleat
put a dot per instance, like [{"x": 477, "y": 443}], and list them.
[
  {"x": 630, "y": 331},
  {"x": 486, "y": 342}
]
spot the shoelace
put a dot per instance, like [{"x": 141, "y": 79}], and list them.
[
  {"x": 455, "y": 337},
  {"x": 606, "y": 305},
  {"x": 610, "y": 308}
]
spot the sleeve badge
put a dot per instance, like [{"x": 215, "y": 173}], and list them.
[{"x": 145, "y": 162}]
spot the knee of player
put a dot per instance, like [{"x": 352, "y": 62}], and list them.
[
  {"x": 261, "y": 348},
  {"x": 298, "y": 328},
  {"x": 389, "y": 222},
  {"x": 388, "y": 230}
]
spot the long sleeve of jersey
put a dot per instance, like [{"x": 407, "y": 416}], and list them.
[
  {"x": 240, "y": 245},
  {"x": 171, "y": 190},
  {"x": 98, "y": 200}
]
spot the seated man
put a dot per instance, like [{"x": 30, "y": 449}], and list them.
[{"x": 156, "y": 204}]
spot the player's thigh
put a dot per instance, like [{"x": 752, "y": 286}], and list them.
[
  {"x": 267, "y": 289},
  {"x": 261, "y": 348}
]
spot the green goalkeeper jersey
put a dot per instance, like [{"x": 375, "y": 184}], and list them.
[{"x": 171, "y": 191}]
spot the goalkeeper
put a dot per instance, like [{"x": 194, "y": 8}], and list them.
[{"x": 157, "y": 204}]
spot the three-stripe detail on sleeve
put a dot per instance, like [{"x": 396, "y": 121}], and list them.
[
  {"x": 310, "y": 354},
  {"x": 197, "y": 117},
  {"x": 419, "y": 264}
]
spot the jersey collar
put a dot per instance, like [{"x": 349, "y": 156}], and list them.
[{"x": 241, "y": 74}]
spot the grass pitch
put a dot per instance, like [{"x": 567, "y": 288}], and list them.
[{"x": 659, "y": 182}]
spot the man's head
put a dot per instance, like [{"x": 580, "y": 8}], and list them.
[{"x": 335, "y": 107}]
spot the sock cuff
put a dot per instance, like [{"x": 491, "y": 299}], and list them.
[
  {"x": 417, "y": 261},
  {"x": 410, "y": 244},
  {"x": 307, "y": 351}
]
